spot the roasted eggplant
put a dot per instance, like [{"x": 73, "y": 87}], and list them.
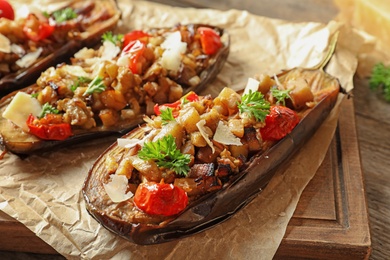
[
  {"x": 34, "y": 43},
  {"x": 108, "y": 90},
  {"x": 197, "y": 162}
]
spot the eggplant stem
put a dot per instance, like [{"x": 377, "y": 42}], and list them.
[{"x": 329, "y": 53}]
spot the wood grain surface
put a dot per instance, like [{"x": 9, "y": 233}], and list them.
[{"x": 371, "y": 111}]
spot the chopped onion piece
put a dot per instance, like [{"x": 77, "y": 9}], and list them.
[
  {"x": 201, "y": 126},
  {"x": 173, "y": 48},
  {"x": 123, "y": 60},
  {"x": 252, "y": 84},
  {"x": 223, "y": 135},
  {"x": 110, "y": 50},
  {"x": 28, "y": 59},
  {"x": 194, "y": 81},
  {"x": 116, "y": 188}
]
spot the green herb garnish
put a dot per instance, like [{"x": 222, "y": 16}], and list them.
[
  {"x": 95, "y": 86},
  {"x": 35, "y": 95},
  {"x": 46, "y": 14},
  {"x": 114, "y": 38},
  {"x": 48, "y": 109},
  {"x": 255, "y": 105},
  {"x": 166, "y": 115},
  {"x": 80, "y": 80},
  {"x": 65, "y": 14},
  {"x": 280, "y": 95},
  {"x": 165, "y": 153},
  {"x": 380, "y": 80}
]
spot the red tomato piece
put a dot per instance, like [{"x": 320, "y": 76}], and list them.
[
  {"x": 136, "y": 50},
  {"x": 36, "y": 29},
  {"x": 210, "y": 40},
  {"x": 6, "y": 10},
  {"x": 175, "y": 106},
  {"x": 160, "y": 198},
  {"x": 191, "y": 97},
  {"x": 278, "y": 123},
  {"x": 135, "y": 35},
  {"x": 44, "y": 131}
]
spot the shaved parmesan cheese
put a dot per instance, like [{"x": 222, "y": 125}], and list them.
[
  {"x": 110, "y": 50},
  {"x": 201, "y": 126},
  {"x": 20, "y": 108},
  {"x": 116, "y": 188},
  {"x": 251, "y": 85},
  {"x": 85, "y": 53},
  {"x": 75, "y": 70},
  {"x": 130, "y": 143},
  {"x": 17, "y": 49},
  {"x": 28, "y": 59},
  {"x": 5, "y": 44},
  {"x": 224, "y": 136},
  {"x": 173, "y": 49}
]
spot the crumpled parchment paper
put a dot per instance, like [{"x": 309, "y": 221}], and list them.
[{"x": 43, "y": 191}]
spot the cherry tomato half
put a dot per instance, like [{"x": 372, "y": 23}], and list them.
[
  {"x": 36, "y": 29},
  {"x": 6, "y": 10},
  {"x": 135, "y": 50},
  {"x": 278, "y": 123},
  {"x": 135, "y": 35},
  {"x": 190, "y": 97},
  {"x": 41, "y": 129},
  {"x": 210, "y": 40},
  {"x": 160, "y": 198}
]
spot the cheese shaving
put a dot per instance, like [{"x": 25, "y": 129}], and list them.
[
  {"x": 20, "y": 108},
  {"x": 130, "y": 143},
  {"x": 223, "y": 135},
  {"x": 201, "y": 126},
  {"x": 116, "y": 188},
  {"x": 29, "y": 59},
  {"x": 5, "y": 44}
]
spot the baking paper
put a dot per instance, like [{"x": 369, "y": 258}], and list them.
[{"x": 43, "y": 191}]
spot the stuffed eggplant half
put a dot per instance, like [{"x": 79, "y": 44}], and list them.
[
  {"x": 31, "y": 44},
  {"x": 108, "y": 90},
  {"x": 199, "y": 160}
]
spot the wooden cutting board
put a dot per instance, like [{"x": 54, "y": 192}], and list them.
[{"x": 330, "y": 221}]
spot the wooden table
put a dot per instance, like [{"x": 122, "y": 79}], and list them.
[{"x": 331, "y": 216}]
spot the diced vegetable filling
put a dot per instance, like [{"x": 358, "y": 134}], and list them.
[
  {"x": 120, "y": 81},
  {"x": 197, "y": 144}
]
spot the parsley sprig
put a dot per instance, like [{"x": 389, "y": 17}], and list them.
[
  {"x": 95, "y": 86},
  {"x": 165, "y": 153},
  {"x": 114, "y": 38},
  {"x": 48, "y": 109},
  {"x": 65, "y": 14},
  {"x": 255, "y": 105},
  {"x": 79, "y": 81},
  {"x": 380, "y": 80},
  {"x": 166, "y": 115},
  {"x": 280, "y": 95}
]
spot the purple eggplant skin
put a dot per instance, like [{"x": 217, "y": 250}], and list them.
[
  {"x": 23, "y": 147},
  {"x": 89, "y": 38},
  {"x": 215, "y": 207}
]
